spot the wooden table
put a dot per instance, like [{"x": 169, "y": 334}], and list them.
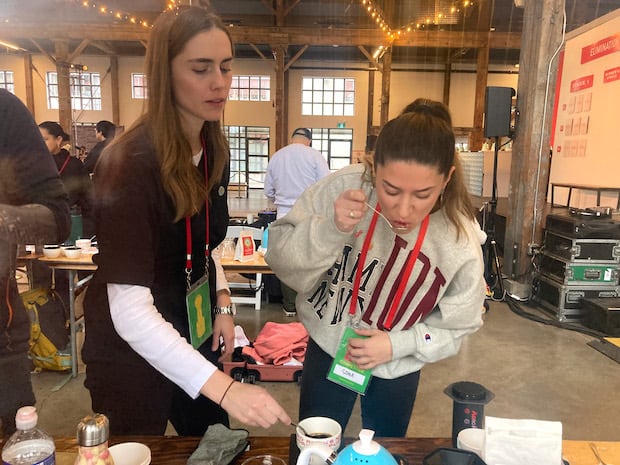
[
  {"x": 85, "y": 263},
  {"x": 256, "y": 265},
  {"x": 175, "y": 450},
  {"x": 72, "y": 265}
]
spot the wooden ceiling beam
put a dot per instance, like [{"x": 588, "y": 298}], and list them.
[
  {"x": 277, "y": 36},
  {"x": 78, "y": 50},
  {"x": 104, "y": 47}
]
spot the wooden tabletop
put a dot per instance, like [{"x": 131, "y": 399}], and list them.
[
  {"x": 175, "y": 450},
  {"x": 83, "y": 262},
  {"x": 256, "y": 265}
]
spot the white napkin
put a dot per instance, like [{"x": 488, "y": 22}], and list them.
[{"x": 517, "y": 442}]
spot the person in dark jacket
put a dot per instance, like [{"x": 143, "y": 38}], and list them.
[
  {"x": 104, "y": 133},
  {"x": 72, "y": 173},
  {"x": 33, "y": 210}
]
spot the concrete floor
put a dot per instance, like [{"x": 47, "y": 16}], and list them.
[{"x": 535, "y": 371}]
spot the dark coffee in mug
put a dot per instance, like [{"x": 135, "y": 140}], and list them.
[{"x": 318, "y": 435}]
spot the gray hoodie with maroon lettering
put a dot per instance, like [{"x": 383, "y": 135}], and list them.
[{"x": 442, "y": 301}]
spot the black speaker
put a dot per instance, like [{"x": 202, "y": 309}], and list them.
[{"x": 497, "y": 108}]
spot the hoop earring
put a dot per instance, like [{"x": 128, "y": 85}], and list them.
[{"x": 441, "y": 198}]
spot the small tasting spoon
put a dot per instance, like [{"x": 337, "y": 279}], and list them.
[
  {"x": 301, "y": 428},
  {"x": 395, "y": 228}
]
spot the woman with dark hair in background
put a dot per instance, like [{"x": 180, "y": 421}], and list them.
[
  {"x": 72, "y": 173},
  {"x": 387, "y": 264},
  {"x": 161, "y": 208}
]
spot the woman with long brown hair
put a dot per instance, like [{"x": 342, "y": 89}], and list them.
[{"x": 161, "y": 207}]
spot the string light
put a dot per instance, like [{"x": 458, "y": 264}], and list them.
[
  {"x": 375, "y": 12},
  {"x": 120, "y": 15}
]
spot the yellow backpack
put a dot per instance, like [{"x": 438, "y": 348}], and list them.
[{"x": 49, "y": 329}]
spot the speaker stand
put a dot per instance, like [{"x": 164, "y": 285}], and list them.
[{"x": 492, "y": 265}]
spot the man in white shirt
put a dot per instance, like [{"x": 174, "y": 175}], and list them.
[{"x": 291, "y": 170}]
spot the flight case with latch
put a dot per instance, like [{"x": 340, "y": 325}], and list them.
[
  {"x": 572, "y": 273},
  {"x": 565, "y": 302},
  {"x": 582, "y": 250}
]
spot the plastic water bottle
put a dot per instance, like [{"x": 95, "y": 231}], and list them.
[{"x": 28, "y": 445}]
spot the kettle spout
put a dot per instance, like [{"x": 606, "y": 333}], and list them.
[{"x": 324, "y": 452}]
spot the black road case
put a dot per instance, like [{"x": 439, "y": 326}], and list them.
[
  {"x": 602, "y": 315},
  {"x": 582, "y": 250},
  {"x": 565, "y": 302},
  {"x": 585, "y": 274},
  {"x": 578, "y": 226}
]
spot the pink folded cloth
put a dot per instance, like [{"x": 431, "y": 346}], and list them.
[{"x": 278, "y": 343}]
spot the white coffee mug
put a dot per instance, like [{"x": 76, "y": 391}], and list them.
[{"x": 328, "y": 430}]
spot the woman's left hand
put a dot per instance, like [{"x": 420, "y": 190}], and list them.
[
  {"x": 369, "y": 352},
  {"x": 224, "y": 326}
]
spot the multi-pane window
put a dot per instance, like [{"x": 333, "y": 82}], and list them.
[
  {"x": 249, "y": 155},
  {"x": 321, "y": 96},
  {"x": 335, "y": 144},
  {"x": 7, "y": 81},
  {"x": 138, "y": 86},
  {"x": 85, "y": 90},
  {"x": 250, "y": 88}
]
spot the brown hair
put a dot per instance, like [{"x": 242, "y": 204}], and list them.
[
  {"x": 180, "y": 179},
  {"x": 423, "y": 135}
]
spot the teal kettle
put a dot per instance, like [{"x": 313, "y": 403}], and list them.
[{"x": 364, "y": 451}]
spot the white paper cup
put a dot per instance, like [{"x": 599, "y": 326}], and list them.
[
  {"x": 130, "y": 453},
  {"x": 471, "y": 439},
  {"x": 83, "y": 244},
  {"x": 319, "y": 425}
]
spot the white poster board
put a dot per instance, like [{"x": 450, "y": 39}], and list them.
[{"x": 586, "y": 125}]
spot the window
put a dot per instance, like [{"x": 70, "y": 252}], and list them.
[
  {"x": 328, "y": 96},
  {"x": 250, "y": 88},
  {"x": 7, "y": 81},
  {"x": 249, "y": 154},
  {"x": 85, "y": 91},
  {"x": 336, "y": 145},
  {"x": 138, "y": 86}
]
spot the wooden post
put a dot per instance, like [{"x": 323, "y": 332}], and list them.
[
  {"x": 476, "y": 137},
  {"x": 385, "y": 85},
  {"x": 447, "y": 78},
  {"x": 116, "y": 114},
  {"x": 280, "y": 97},
  {"x": 371, "y": 100},
  {"x": 61, "y": 48},
  {"x": 29, "y": 82},
  {"x": 529, "y": 171}
]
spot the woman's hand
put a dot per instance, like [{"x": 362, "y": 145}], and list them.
[
  {"x": 349, "y": 209},
  {"x": 369, "y": 352},
  {"x": 248, "y": 403},
  {"x": 224, "y": 327}
]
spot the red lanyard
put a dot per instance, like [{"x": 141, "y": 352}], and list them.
[
  {"x": 188, "y": 228},
  {"x": 413, "y": 256},
  {"x": 64, "y": 165}
]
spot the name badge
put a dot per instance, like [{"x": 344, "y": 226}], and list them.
[
  {"x": 198, "y": 304},
  {"x": 345, "y": 372}
]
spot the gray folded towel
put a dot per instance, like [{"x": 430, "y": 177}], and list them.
[{"x": 219, "y": 446}]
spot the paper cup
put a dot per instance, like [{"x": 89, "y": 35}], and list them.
[
  {"x": 83, "y": 244},
  {"x": 329, "y": 429},
  {"x": 130, "y": 453},
  {"x": 471, "y": 439}
]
